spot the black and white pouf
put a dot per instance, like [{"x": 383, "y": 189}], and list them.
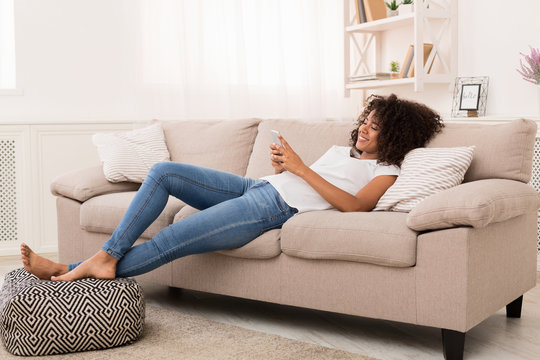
[{"x": 40, "y": 317}]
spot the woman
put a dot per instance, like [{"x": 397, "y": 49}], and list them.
[{"x": 236, "y": 210}]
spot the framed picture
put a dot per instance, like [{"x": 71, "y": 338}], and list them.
[{"x": 470, "y": 96}]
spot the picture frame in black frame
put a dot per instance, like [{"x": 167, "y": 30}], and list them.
[{"x": 470, "y": 96}]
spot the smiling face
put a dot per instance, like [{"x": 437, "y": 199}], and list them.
[{"x": 367, "y": 137}]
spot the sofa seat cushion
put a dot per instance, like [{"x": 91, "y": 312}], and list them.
[
  {"x": 102, "y": 214},
  {"x": 265, "y": 246},
  {"x": 380, "y": 238}
]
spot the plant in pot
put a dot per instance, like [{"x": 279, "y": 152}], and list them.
[
  {"x": 392, "y": 8},
  {"x": 530, "y": 69},
  {"x": 406, "y": 7},
  {"x": 394, "y": 70}
]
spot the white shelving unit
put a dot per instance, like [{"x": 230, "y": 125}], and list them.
[{"x": 361, "y": 40}]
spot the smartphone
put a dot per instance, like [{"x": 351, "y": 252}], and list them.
[{"x": 275, "y": 137}]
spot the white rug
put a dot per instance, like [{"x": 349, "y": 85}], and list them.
[{"x": 173, "y": 335}]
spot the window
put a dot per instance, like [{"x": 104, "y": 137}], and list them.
[
  {"x": 7, "y": 45},
  {"x": 252, "y": 58}
]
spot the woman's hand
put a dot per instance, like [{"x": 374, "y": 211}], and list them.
[
  {"x": 286, "y": 159},
  {"x": 278, "y": 167}
]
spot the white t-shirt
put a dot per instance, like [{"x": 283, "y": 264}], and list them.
[{"x": 338, "y": 168}]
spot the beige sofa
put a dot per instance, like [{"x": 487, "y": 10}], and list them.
[{"x": 456, "y": 259}]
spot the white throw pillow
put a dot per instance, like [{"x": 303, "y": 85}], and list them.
[
  {"x": 424, "y": 172},
  {"x": 128, "y": 156}
]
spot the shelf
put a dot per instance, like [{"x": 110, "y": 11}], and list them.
[
  {"x": 389, "y": 23},
  {"x": 394, "y": 22},
  {"x": 365, "y": 54},
  {"x": 372, "y": 84}
]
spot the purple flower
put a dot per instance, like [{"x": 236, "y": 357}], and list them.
[{"x": 530, "y": 69}]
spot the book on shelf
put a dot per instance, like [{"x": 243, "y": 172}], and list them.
[
  {"x": 427, "y": 51},
  {"x": 406, "y": 65},
  {"x": 360, "y": 11},
  {"x": 374, "y": 9},
  {"x": 374, "y": 76}
]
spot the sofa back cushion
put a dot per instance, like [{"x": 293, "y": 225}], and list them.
[
  {"x": 503, "y": 151},
  {"x": 223, "y": 145},
  {"x": 310, "y": 140}
]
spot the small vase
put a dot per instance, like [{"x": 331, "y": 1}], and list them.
[
  {"x": 406, "y": 9},
  {"x": 390, "y": 13},
  {"x": 394, "y": 75}
]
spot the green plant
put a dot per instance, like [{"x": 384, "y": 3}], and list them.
[
  {"x": 407, "y": 2},
  {"x": 394, "y": 66},
  {"x": 392, "y": 5}
]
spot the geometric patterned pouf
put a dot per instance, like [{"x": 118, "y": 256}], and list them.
[{"x": 41, "y": 317}]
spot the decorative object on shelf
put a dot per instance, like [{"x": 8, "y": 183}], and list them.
[
  {"x": 375, "y": 9},
  {"x": 470, "y": 96},
  {"x": 374, "y": 76},
  {"x": 406, "y": 7},
  {"x": 392, "y": 8},
  {"x": 394, "y": 70},
  {"x": 530, "y": 71}
]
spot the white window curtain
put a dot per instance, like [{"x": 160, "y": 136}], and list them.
[
  {"x": 231, "y": 59},
  {"x": 7, "y": 45}
]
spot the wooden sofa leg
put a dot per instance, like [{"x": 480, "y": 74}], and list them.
[
  {"x": 513, "y": 310},
  {"x": 174, "y": 291},
  {"x": 453, "y": 344}
]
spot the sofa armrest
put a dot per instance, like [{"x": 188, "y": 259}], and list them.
[
  {"x": 476, "y": 204},
  {"x": 86, "y": 183}
]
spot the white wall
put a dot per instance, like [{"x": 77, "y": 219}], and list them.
[
  {"x": 491, "y": 34},
  {"x": 75, "y": 60}
]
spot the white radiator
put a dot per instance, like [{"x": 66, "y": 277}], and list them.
[
  {"x": 535, "y": 181},
  {"x": 8, "y": 192}
]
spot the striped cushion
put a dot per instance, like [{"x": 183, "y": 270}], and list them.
[
  {"x": 128, "y": 156},
  {"x": 424, "y": 172}
]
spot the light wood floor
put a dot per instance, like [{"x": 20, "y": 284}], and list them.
[{"x": 495, "y": 338}]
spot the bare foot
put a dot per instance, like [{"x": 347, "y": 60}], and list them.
[
  {"x": 42, "y": 267},
  {"x": 99, "y": 266}
]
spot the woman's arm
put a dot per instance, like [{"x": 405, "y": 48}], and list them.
[{"x": 364, "y": 200}]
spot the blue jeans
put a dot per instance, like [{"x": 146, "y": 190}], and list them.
[{"x": 234, "y": 211}]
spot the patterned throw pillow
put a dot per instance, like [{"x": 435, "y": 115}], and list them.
[
  {"x": 424, "y": 172},
  {"x": 128, "y": 156}
]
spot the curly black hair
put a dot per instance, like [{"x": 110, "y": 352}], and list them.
[{"x": 404, "y": 125}]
